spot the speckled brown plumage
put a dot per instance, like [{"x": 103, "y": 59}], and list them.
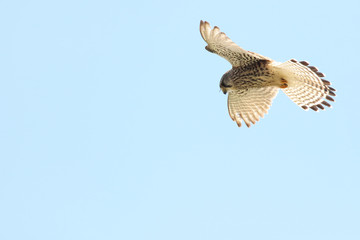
[{"x": 254, "y": 80}]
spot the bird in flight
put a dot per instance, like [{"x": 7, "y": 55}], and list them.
[{"x": 254, "y": 80}]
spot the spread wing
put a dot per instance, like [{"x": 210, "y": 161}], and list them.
[
  {"x": 220, "y": 44},
  {"x": 250, "y": 104}
]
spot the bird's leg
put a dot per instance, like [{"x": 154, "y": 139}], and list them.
[{"x": 283, "y": 83}]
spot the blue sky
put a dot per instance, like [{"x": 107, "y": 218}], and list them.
[{"x": 113, "y": 125}]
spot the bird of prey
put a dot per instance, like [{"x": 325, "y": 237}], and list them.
[{"x": 254, "y": 80}]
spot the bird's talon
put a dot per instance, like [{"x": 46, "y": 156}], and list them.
[{"x": 283, "y": 85}]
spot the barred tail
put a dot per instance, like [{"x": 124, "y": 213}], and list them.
[{"x": 305, "y": 85}]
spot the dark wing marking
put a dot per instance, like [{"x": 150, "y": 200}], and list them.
[{"x": 220, "y": 44}]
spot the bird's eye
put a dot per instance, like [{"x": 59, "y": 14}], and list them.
[{"x": 225, "y": 85}]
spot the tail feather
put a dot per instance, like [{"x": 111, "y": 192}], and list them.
[{"x": 305, "y": 86}]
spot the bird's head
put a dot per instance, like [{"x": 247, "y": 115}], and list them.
[{"x": 226, "y": 82}]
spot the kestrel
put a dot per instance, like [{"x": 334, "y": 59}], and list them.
[{"x": 254, "y": 80}]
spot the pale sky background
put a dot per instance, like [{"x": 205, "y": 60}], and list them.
[{"x": 113, "y": 126}]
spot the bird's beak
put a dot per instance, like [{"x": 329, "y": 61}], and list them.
[{"x": 224, "y": 90}]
